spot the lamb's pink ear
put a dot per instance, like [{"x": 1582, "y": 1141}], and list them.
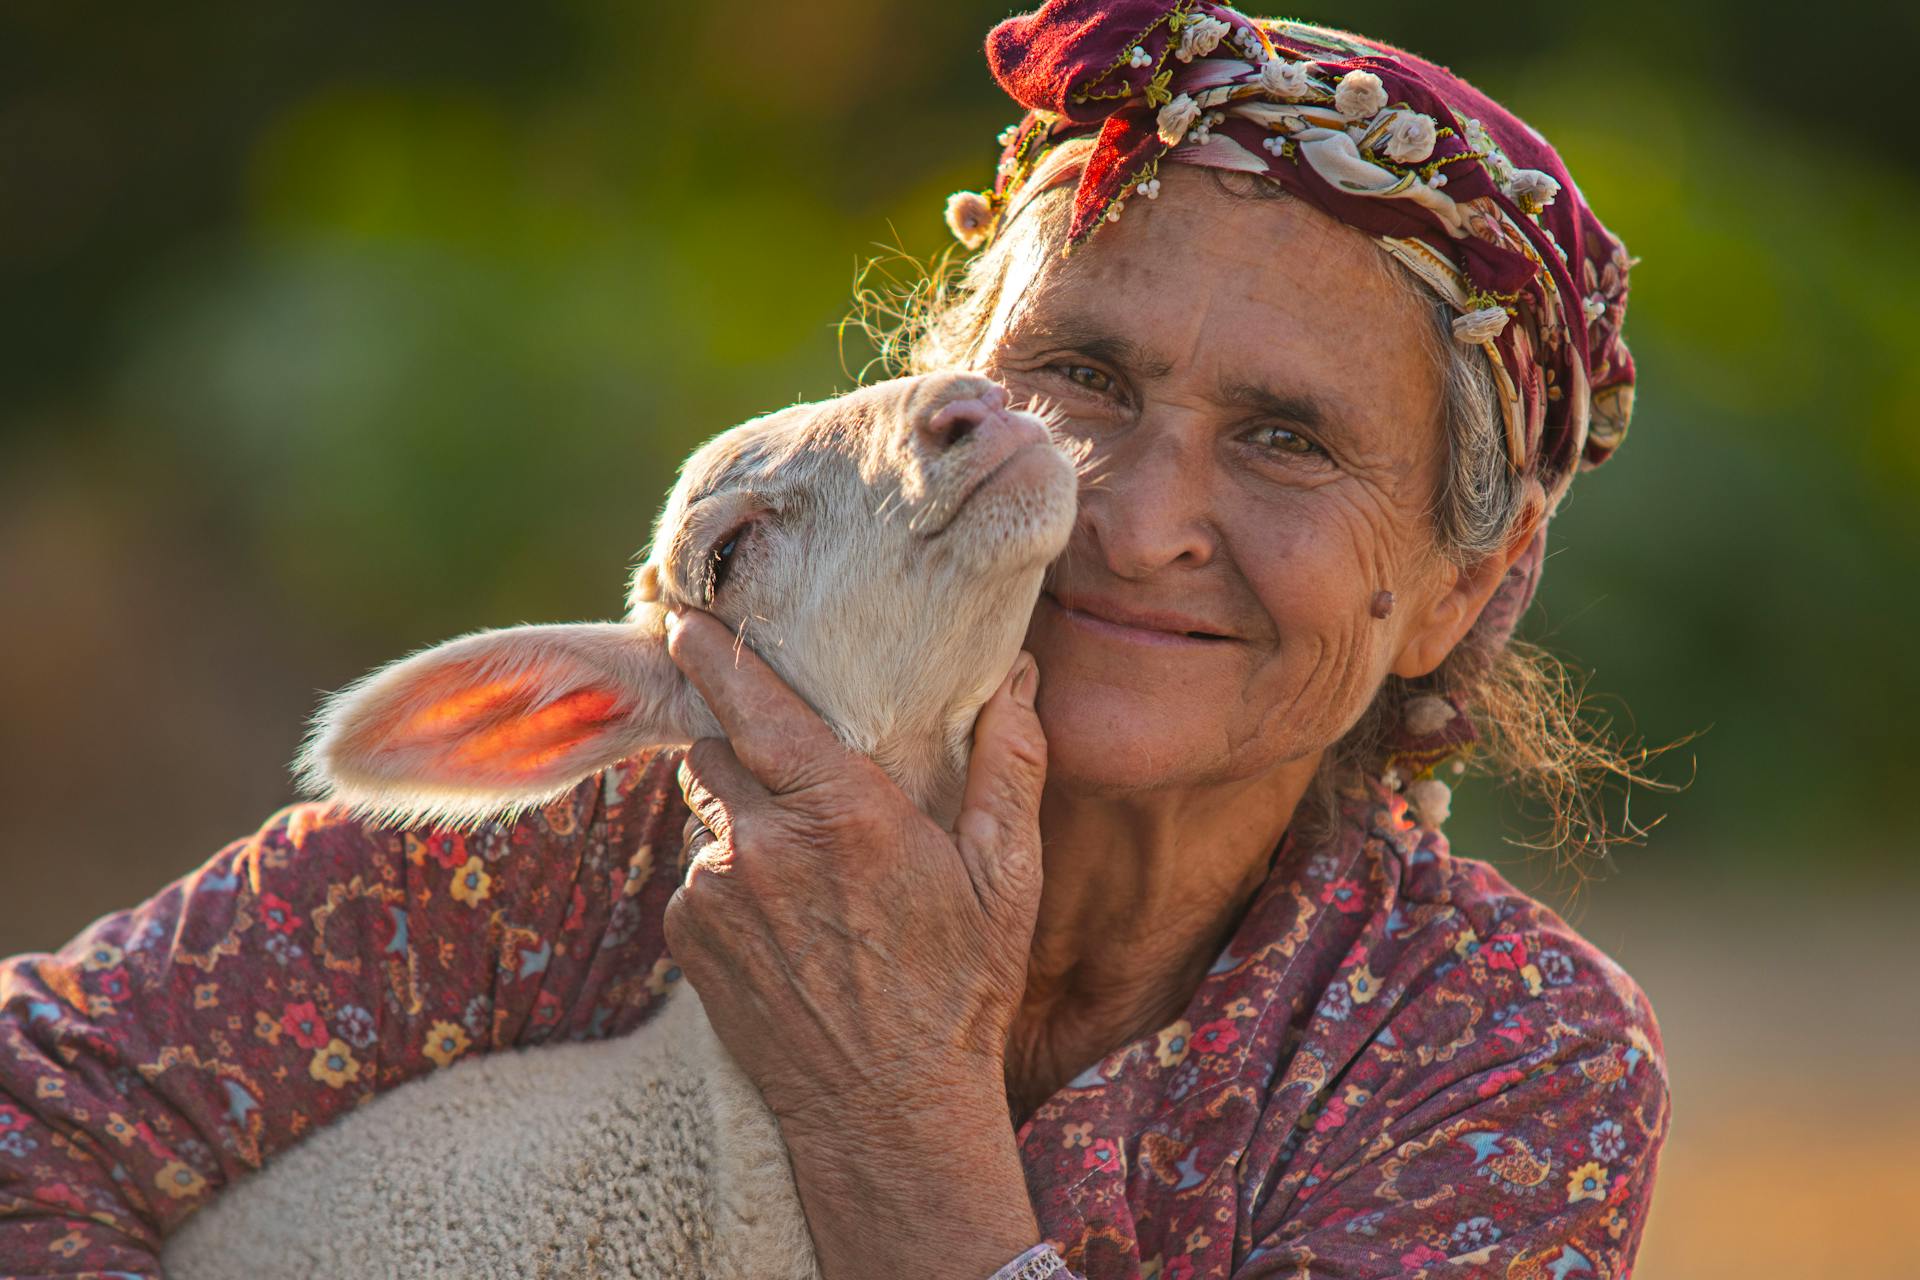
[{"x": 496, "y": 722}]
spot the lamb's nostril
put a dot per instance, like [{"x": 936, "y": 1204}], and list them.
[{"x": 954, "y": 423}]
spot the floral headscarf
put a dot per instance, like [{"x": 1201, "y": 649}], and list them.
[{"x": 1460, "y": 190}]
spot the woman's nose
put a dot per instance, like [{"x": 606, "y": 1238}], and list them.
[{"x": 1152, "y": 508}]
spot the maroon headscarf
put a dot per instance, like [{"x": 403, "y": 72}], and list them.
[{"x": 1453, "y": 185}]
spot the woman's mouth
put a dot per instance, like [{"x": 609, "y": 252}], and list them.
[{"x": 1113, "y": 621}]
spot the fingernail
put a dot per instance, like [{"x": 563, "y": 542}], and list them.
[{"x": 1026, "y": 679}]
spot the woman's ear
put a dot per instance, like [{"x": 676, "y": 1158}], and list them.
[
  {"x": 496, "y": 722},
  {"x": 1433, "y": 635}
]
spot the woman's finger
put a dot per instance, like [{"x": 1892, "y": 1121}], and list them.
[
  {"x": 718, "y": 789},
  {"x": 717, "y": 786},
  {"x": 998, "y": 830},
  {"x": 780, "y": 739},
  {"x": 697, "y": 840}
]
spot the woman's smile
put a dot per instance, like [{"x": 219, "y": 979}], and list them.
[{"x": 1112, "y": 620}]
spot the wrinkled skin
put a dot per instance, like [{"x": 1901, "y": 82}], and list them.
[
  {"x": 1266, "y": 434},
  {"x": 1175, "y": 353}
]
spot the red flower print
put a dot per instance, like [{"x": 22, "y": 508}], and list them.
[
  {"x": 1506, "y": 951},
  {"x": 1342, "y": 894},
  {"x": 113, "y": 984},
  {"x": 1333, "y": 1117},
  {"x": 1518, "y": 1030},
  {"x": 1177, "y": 1269},
  {"x": 546, "y": 1010},
  {"x": 448, "y": 848},
  {"x": 1102, "y": 1152},
  {"x": 1421, "y": 1255},
  {"x": 303, "y": 1022},
  {"x": 11, "y": 1119},
  {"x": 1215, "y": 1036},
  {"x": 1315, "y": 1179},
  {"x": 59, "y": 1193},
  {"x": 1499, "y": 1080},
  {"x": 277, "y": 913}
]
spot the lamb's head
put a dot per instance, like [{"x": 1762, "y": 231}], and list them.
[{"x": 882, "y": 551}]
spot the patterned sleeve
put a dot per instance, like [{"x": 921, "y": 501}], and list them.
[
  {"x": 1535, "y": 1168},
  {"x": 303, "y": 969}
]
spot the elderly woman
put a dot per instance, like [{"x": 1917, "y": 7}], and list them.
[{"x": 1195, "y": 987}]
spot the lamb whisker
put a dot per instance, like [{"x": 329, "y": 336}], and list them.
[{"x": 740, "y": 639}]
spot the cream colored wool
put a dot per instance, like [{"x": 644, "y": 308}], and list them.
[{"x": 645, "y": 1156}]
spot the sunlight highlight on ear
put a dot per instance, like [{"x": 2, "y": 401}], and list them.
[
  {"x": 528, "y": 744},
  {"x": 455, "y": 710}
]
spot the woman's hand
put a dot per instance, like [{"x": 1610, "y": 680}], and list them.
[{"x": 862, "y": 964}]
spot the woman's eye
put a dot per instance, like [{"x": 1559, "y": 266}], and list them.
[
  {"x": 1283, "y": 440},
  {"x": 1095, "y": 380}
]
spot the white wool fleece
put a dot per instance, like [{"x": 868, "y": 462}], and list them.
[{"x": 597, "y": 1159}]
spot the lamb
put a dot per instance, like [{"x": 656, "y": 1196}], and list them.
[{"x": 882, "y": 551}]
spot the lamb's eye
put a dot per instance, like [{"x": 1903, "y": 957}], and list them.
[{"x": 720, "y": 561}]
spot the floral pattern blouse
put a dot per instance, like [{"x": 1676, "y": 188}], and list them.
[{"x": 1399, "y": 1065}]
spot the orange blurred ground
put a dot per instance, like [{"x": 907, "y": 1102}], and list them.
[{"x": 1792, "y": 1027}]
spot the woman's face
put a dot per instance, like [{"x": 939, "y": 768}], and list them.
[{"x": 1263, "y": 407}]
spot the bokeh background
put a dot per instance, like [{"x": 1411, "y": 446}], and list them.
[{"x": 328, "y": 331}]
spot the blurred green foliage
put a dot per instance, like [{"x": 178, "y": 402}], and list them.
[{"x": 410, "y": 311}]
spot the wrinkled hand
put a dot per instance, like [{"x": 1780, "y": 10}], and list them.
[{"x": 854, "y": 957}]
